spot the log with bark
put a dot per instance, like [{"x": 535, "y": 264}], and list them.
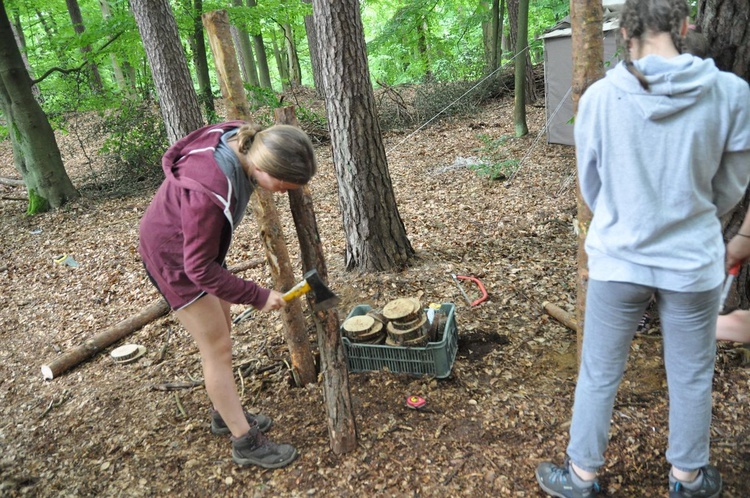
[
  {"x": 560, "y": 315},
  {"x": 120, "y": 330}
]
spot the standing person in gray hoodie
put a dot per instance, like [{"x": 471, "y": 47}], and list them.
[
  {"x": 663, "y": 150},
  {"x": 184, "y": 238}
]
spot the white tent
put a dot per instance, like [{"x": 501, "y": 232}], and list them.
[{"x": 558, "y": 74}]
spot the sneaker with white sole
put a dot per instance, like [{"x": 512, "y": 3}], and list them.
[
  {"x": 709, "y": 487},
  {"x": 557, "y": 481},
  {"x": 254, "y": 448},
  {"x": 219, "y": 427}
]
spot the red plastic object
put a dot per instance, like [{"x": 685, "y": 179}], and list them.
[
  {"x": 479, "y": 284},
  {"x": 415, "y": 402}
]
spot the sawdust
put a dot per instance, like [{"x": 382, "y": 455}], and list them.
[{"x": 141, "y": 428}]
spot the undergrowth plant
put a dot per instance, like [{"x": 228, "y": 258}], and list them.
[{"x": 494, "y": 161}]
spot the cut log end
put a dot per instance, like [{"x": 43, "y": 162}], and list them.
[{"x": 47, "y": 372}]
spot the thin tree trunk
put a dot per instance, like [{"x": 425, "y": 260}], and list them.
[
  {"x": 588, "y": 54},
  {"x": 312, "y": 43},
  {"x": 266, "y": 215},
  {"x": 77, "y": 19},
  {"x": 264, "y": 73}
]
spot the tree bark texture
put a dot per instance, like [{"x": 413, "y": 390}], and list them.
[
  {"x": 588, "y": 54},
  {"x": 264, "y": 208},
  {"x": 530, "y": 83},
  {"x": 522, "y": 44},
  {"x": 375, "y": 234},
  {"x": 342, "y": 428},
  {"x": 245, "y": 52},
  {"x": 312, "y": 42},
  {"x": 93, "y": 70},
  {"x": 725, "y": 25},
  {"x": 177, "y": 98},
  {"x": 200, "y": 60},
  {"x": 264, "y": 73},
  {"x": 35, "y": 151}
]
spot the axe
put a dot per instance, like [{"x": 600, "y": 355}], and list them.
[{"x": 323, "y": 296}]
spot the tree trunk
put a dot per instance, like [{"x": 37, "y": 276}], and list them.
[
  {"x": 530, "y": 84},
  {"x": 588, "y": 54},
  {"x": 35, "y": 151},
  {"x": 264, "y": 73},
  {"x": 375, "y": 234},
  {"x": 200, "y": 60},
  {"x": 177, "y": 99},
  {"x": 281, "y": 62},
  {"x": 312, "y": 42},
  {"x": 294, "y": 70},
  {"x": 124, "y": 85},
  {"x": 264, "y": 208},
  {"x": 342, "y": 428},
  {"x": 95, "y": 79},
  {"x": 522, "y": 43},
  {"x": 724, "y": 23},
  {"x": 245, "y": 48}
]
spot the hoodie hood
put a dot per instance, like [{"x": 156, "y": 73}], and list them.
[{"x": 674, "y": 84}]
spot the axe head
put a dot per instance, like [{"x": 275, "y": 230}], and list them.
[{"x": 324, "y": 298}]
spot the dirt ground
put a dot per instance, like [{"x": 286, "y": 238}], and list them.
[{"x": 109, "y": 429}]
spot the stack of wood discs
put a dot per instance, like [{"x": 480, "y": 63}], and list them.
[
  {"x": 406, "y": 323},
  {"x": 366, "y": 329}
]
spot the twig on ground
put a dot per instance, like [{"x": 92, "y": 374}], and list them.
[
  {"x": 179, "y": 405},
  {"x": 174, "y": 386}
]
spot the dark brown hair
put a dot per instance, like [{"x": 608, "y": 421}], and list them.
[{"x": 639, "y": 17}]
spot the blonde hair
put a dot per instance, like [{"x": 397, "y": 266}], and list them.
[
  {"x": 639, "y": 17},
  {"x": 285, "y": 152}
]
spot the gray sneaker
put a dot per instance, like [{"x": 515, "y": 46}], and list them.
[
  {"x": 557, "y": 481},
  {"x": 219, "y": 427},
  {"x": 710, "y": 486},
  {"x": 255, "y": 449}
]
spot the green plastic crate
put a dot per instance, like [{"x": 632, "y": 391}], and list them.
[{"x": 436, "y": 358}]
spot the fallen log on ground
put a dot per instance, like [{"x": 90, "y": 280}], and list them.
[
  {"x": 12, "y": 182},
  {"x": 122, "y": 329},
  {"x": 560, "y": 315}
]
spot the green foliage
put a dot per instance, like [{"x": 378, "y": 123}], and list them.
[
  {"x": 137, "y": 139},
  {"x": 495, "y": 163},
  {"x": 37, "y": 203}
]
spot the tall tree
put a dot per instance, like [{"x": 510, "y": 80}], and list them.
[
  {"x": 312, "y": 43},
  {"x": 586, "y": 18},
  {"x": 264, "y": 74},
  {"x": 124, "y": 85},
  {"x": 513, "y": 13},
  {"x": 95, "y": 79},
  {"x": 375, "y": 234},
  {"x": 492, "y": 33},
  {"x": 522, "y": 44},
  {"x": 35, "y": 152},
  {"x": 200, "y": 59},
  {"x": 724, "y": 23},
  {"x": 295, "y": 72},
  {"x": 178, "y": 101},
  {"x": 245, "y": 52}
]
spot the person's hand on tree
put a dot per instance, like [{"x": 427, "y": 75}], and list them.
[{"x": 275, "y": 301}]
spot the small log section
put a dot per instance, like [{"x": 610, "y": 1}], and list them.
[
  {"x": 271, "y": 231},
  {"x": 560, "y": 315},
  {"x": 120, "y": 330},
  {"x": 342, "y": 428}
]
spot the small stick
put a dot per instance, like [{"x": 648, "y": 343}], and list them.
[
  {"x": 179, "y": 405},
  {"x": 242, "y": 383}
]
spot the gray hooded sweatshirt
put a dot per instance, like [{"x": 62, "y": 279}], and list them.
[{"x": 659, "y": 167}]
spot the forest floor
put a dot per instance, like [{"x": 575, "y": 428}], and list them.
[{"x": 110, "y": 429}]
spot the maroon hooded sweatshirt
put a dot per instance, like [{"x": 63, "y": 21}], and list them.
[{"x": 187, "y": 229}]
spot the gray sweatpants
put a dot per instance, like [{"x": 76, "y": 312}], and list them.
[{"x": 688, "y": 323}]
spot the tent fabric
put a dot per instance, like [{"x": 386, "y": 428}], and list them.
[{"x": 558, "y": 74}]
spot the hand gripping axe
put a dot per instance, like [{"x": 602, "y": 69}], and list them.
[{"x": 323, "y": 296}]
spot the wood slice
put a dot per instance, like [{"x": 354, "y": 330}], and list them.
[
  {"x": 403, "y": 309},
  {"x": 419, "y": 341},
  {"x": 400, "y": 336},
  {"x": 357, "y": 325},
  {"x": 402, "y": 325},
  {"x": 368, "y": 335}
]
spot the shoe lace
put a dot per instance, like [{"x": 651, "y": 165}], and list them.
[{"x": 559, "y": 474}]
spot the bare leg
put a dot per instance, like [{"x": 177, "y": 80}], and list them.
[
  {"x": 734, "y": 327},
  {"x": 207, "y": 321}
]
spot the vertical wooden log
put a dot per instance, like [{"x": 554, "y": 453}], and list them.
[
  {"x": 266, "y": 214},
  {"x": 342, "y": 428}
]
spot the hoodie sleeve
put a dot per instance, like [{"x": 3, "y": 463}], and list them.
[
  {"x": 203, "y": 224},
  {"x": 587, "y": 156},
  {"x": 731, "y": 179}
]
